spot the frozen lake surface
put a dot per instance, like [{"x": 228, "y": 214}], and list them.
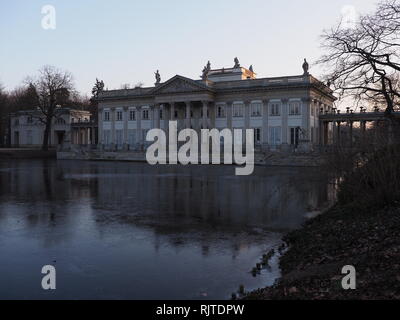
[{"x": 118, "y": 230}]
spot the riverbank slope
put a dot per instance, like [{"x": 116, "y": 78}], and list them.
[{"x": 345, "y": 235}]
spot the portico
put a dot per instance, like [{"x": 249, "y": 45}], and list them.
[{"x": 280, "y": 110}]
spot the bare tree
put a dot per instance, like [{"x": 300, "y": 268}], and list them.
[
  {"x": 364, "y": 62},
  {"x": 53, "y": 88},
  {"x": 3, "y": 114}
]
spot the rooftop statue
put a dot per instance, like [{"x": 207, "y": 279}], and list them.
[
  {"x": 306, "y": 67},
  {"x": 98, "y": 87},
  {"x": 206, "y": 71},
  {"x": 237, "y": 64},
  {"x": 158, "y": 77}
]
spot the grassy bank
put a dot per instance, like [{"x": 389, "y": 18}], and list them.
[
  {"x": 368, "y": 240},
  {"x": 362, "y": 230}
]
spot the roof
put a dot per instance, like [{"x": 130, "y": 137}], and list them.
[{"x": 183, "y": 84}]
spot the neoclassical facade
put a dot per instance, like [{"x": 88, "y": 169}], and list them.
[{"x": 281, "y": 110}]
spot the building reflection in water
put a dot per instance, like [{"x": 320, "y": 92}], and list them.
[{"x": 195, "y": 211}]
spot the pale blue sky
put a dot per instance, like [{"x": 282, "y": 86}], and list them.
[{"x": 125, "y": 41}]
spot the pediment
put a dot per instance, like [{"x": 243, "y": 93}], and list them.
[{"x": 179, "y": 84}]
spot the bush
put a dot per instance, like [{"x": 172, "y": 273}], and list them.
[{"x": 375, "y": 182}]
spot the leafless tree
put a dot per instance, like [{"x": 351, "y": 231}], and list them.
[
  {"x": 53, "y": 88},
  {"x": 3, "y": 114},
  {"x": 363, "y": 62}
]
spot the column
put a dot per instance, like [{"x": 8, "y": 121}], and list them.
[
  {"x": 306, "y": 115},
  {"x": 247, "y": 114},
  {"x": 158, "y": 120},
  {"x": 321, "y": 133},
  {"x": 265, "y": 123},
  {"x": 167, "y": 115},
  {"x": 213, "y": 115},
  {"x": 172, "y": 111},
  {"x": 100, "y": 125},
  {"x": 125, "y": 119},
  {"x": 229, "y": 114},
  {"x": 338, "y": 135},
  {"x": 351, "y": 133},
  {"x": 205, "y": 118},
  {"x": 284, "y": 115},
  {"x": 139, "y": 125},
  {"x": 363, "y": 126},
  {"x": 112, "y": 117},
  {"x": 188, "y": 115},
  {"x": 197, "y": 116}
]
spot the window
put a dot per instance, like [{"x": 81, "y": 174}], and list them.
[
  {"x": 275, "y": 109},
  {"x": 257, "y": 136},
  {"x": 119, "y": 115},
  {"x": 106, "y": 115},
  {"x": 131, "y": 136},
  {"x": 132, "y": 115},
  {"x": 221, "y": 112},
  {"x": 294, "y": 136},
  {"x": 29, "y": 120},
  {"x": 161, "y": 114},
  {"x": 294, "y": 108},
  {"x": 119, "y": 137},
  {"x": 146, "y": 114},
  {"x": 16, "y": 122},
  {"x": 256, "y": 109},
  {"x": 238, "y": 111},
  {"x": 312, "y": 110},
  {"x": 106, "y": 136},
  {"x": 275, "y": 136}
]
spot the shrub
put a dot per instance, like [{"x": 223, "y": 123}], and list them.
[{"x": 375, "y": 182}]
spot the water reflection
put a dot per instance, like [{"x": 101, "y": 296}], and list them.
[{"x": 128, "y": 230}]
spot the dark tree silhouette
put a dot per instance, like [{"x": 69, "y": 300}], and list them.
[
  {"x": 52, "y": 88},
  {"x": 364, "y": 62}
]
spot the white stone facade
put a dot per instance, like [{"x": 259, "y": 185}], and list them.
[
  {"x": 27, "y": 129},
  {"x": 283, "y": 111}
]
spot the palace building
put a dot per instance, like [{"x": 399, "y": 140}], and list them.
[
  {"x": 70, "y": 126},
  {"x": 283, "y": 111}
]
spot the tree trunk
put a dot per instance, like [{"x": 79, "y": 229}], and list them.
[{"x": 47, "y": 132}]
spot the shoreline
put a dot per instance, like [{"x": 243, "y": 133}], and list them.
[
  {"x": 21, "y": 153},
  {"x": 343, "y": 235}
]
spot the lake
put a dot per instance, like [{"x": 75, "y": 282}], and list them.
[{"x": 121, "y": 230}]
